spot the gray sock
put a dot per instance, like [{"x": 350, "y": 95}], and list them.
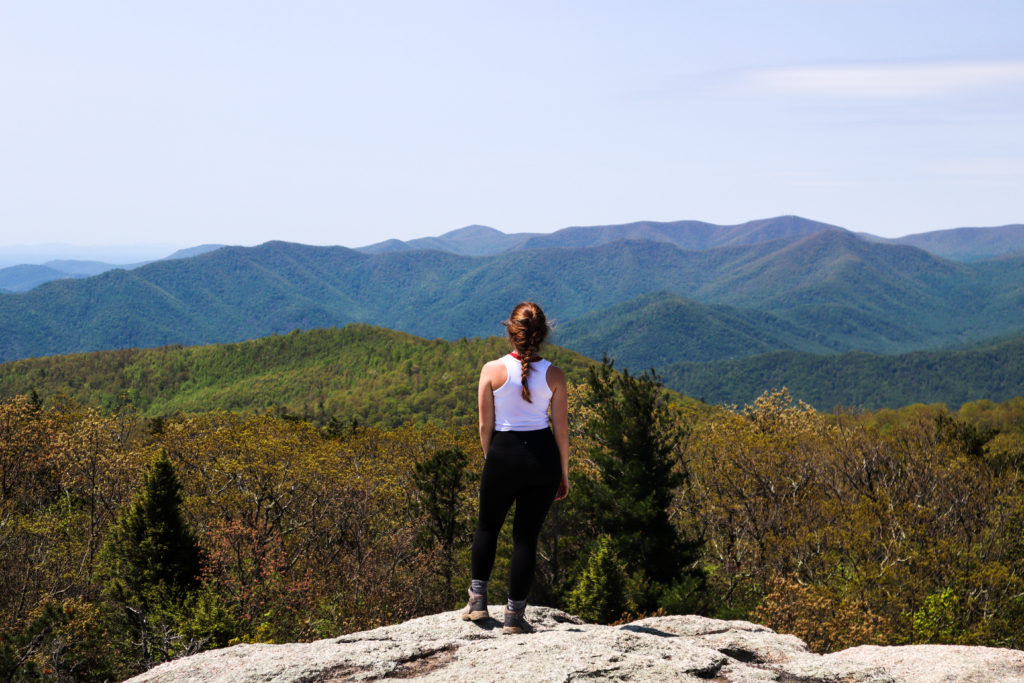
[
  {"x": 479, "y": 587},
  {"x": 516, "y": 605}
]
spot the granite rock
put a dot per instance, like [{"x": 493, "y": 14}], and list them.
[{"x": 443, "y": 647}]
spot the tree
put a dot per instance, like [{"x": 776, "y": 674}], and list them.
[
  {"x": 64, "y": 641},
  {"x": 150, "y": 564},
  {"x": 599, "y": 594},
  {"x": 440, "y": 487},
  {"x": 635, "y": 450},
  {"x": 150, "y": 548}
]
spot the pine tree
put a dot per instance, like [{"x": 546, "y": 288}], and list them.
[
  {"x": 636, "y": 439},
  {"x": 440, "y": 483},
  {"x": 150, "y": 553},
  {"x": 150, "y": 566},
  {"x": 599, "y": 595}
]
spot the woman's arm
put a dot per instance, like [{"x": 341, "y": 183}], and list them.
[
  {"x": 485, "y": 406},
  {"x": 560, "y": 424}
]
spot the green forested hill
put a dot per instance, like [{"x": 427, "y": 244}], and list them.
[
  {"x": 985, "y": 371},
  {"x": 364, "y": 373},
  {"x": 24, "y": 277},
  {"x": 378, "y": 376},
  {"x": 970, "y": 244},
  {"x": 645, "y": 303},
  {"x": 654, "y": 329},
  {"x": 845, "y": 292}
]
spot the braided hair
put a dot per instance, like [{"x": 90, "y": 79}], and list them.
[{"x": 527, "y": 328}]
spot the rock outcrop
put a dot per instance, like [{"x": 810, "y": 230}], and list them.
[{"x": 442, "y": 647}]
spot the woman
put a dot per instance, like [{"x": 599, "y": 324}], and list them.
[{"x": 526, "y": 462}]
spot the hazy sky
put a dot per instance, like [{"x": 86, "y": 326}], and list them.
[{"x": 341, "y": 122}]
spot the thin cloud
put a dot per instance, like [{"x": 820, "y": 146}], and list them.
[{"x": 886, "y": 81}]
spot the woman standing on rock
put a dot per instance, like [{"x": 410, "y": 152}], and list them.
[{"x": 527, "y": 461}]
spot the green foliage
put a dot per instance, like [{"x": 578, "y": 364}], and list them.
[
  {"x": 150, "y": 566},
  {"x": 207, "y": 619},
  {"x": 635, "y": 451},
  {"x": 599, "y": 594},
  {"x": 938, "y": 618},
  {"x": 64, "y": 641},
  {"x": 334, "y": 377},
  {"x": 440, "y": 481},
  {"x": 151, "y": 556},
  {"x": 861, "y": 380},
  {"x": 892, "y": 527},
  {"x": 855, "y": 528},
  {"x": 303, "y": 536},
  {"x": 441, "y": 486}
]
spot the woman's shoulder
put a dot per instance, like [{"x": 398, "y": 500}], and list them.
[
  {"x": 555, "y": 376},
  {"x": 499, "y": 362},
  {"x": 555, "y": 370},
  {"x": 495, "y": 371},
  {"x": 492, "y": 365}
]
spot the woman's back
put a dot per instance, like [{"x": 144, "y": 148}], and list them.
[{"x": 511, "y": 411}]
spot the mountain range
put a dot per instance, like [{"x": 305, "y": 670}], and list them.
[
  {"x": 665, "y": 295},
  {"x": 26, "y": 276},
  {"x": 967, "y": 244},
  {"x": 958, "y": 244}
]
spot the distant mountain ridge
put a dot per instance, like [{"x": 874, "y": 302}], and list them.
[
  {"x": 687, "y": 235},
  {"x": 783, "y": 284},
  {"x": 472, "y": 240},
  {"x": 23, "y": 277},
  {"x": 843, "y": 292},
  {"x": 479, "y": 240},
  {"x": 970, "y": 244},
  {"x": 958, "y": 244}
]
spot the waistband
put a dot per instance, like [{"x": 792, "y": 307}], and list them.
[{"x": 525, "y": 432}]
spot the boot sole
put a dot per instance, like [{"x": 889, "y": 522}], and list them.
[
  {"x": 475, "y": 616},
  {"x": 511, "y": 630}
]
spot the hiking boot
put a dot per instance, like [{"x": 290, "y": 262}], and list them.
[
  {"x": 515, "y": 622},
  {"x": 476, "y": 609}
]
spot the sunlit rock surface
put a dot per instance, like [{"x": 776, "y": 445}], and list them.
[{"x": 442, "y": 647}]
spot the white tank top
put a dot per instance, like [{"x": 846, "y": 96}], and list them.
[{"x": 511, "y": 412}]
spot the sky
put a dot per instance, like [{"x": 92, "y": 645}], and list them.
[{"x": 350, "y": 122}]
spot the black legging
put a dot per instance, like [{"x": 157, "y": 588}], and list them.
[{"x": 521, "y": 467}]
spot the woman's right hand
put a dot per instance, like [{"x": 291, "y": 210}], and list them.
[{"x": 563, "y": 488}]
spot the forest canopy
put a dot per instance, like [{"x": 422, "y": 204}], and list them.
[
  {"x": 899, "y": 526},
  {"x": 359, "y": 373}
]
